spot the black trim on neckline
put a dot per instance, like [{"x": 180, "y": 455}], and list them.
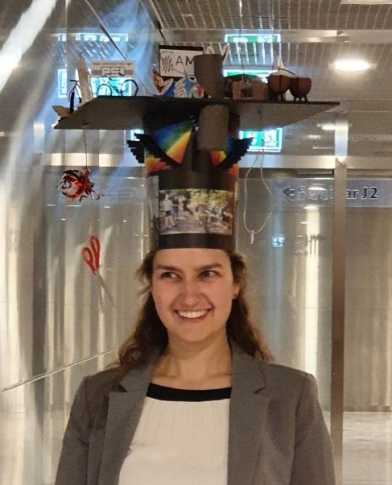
[{"x": 164, "y": 393}]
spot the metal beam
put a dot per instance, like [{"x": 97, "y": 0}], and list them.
[
  {"x": 156, "y": 19},
  {"x": 338, "y": 295},
  {"x": 312, "y": 36}
]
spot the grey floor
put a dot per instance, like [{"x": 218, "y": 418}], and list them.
[{"x": 367, "y": 458}]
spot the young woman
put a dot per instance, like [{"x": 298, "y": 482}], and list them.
[{"x": 194, "y": 398}]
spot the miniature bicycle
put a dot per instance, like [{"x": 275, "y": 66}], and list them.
[{"x": 110, "y": 87}]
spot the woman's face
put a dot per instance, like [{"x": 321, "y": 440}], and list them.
[{"x": 193, "y": 291}]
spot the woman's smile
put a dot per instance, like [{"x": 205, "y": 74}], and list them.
[{"x": 193, "y": 314}]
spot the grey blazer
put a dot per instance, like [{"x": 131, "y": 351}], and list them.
[{"x": 277, "y": 435}]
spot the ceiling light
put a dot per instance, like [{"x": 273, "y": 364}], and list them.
[
  {"x": 314, "y": 137},
  {"x": 22, "y": 36},
  {"x": 311, "y": 207},
  {"x": 351, "y": 65},
  {"x": 327, "y": 126},
  {"x": 317, "y": 188},
  {"x": 8, "y": 62}
]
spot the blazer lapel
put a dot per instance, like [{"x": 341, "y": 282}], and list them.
[
  {"x": 124, "y": 412},
  {"x": 248, "y": 410}
]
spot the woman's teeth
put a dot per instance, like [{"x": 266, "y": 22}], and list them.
[{"x": 193, "y": 314}]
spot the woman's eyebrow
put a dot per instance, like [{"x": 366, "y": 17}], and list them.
[
  {"x": 199, "y": 268},
  {"x": 209, "y": 266},
  {"x": 166, "y": 268}
]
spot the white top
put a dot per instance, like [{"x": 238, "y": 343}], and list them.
[{"x": 180, "y": 442}]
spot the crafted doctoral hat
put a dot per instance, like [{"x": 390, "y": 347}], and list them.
[{"x": 191, "y": 150}]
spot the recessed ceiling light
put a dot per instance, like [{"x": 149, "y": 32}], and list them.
[
  {"x": 327, "y": 126},
  {"x": 314, "y": 137},
  {"x": 317, "y": 188},
  {"x": 351, "y": 65},
  {"x": 187, "y": 16}
]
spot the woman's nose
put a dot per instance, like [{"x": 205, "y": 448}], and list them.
[{"x": 190, "y": 292}]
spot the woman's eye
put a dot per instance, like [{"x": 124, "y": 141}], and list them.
[
  {"x": 209, "y": 274},
  {"x": 168, "y": 275}
]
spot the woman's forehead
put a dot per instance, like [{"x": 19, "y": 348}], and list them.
[{"x": 190, "y": 257}]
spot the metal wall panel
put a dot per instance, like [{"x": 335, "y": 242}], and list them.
[{"x": 290, "y": 271}]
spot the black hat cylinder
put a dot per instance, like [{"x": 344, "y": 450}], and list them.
[{"x": 213, "y": 127}]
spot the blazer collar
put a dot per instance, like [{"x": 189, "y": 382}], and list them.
[
  {"x": 248, "y": 407},
  {"x": 242, "y": 364}
]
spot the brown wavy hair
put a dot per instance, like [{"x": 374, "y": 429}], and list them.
[{"x": 150, "y": 334}]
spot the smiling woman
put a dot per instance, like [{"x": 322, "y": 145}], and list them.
[{"x": 194, "y": 396}]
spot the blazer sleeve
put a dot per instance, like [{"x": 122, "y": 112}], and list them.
[
  {"x": 313, "y": 458},
  {"x": 72, "y": 467}
]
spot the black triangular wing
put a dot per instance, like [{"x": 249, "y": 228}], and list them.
[
  {"x": 150, "y": 144},
  {"x": 238, "y": 150},
  {"x": 137, "y": 149}
]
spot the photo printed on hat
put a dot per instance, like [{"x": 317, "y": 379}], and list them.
[{"x": 196, "y": 211}]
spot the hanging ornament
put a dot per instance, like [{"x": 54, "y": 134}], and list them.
[{"x": 77, "y": 185}]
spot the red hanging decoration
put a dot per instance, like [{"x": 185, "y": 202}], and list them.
[
  {"x": 91, "y": 255},
  {"x": 77, "y": 185}
]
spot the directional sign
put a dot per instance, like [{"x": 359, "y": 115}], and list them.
[
  {"x": 264, "y": 141},
  {"x": 253, "y": 38}
]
